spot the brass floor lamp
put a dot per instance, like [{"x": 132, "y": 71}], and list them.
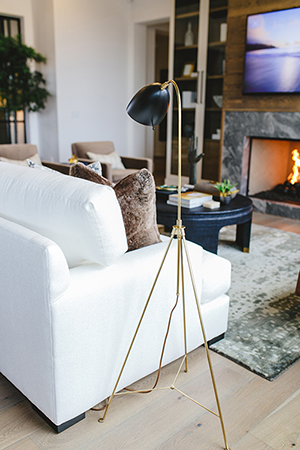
[{"x": 148, "y": 107}]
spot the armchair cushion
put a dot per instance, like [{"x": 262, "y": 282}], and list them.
[
  {"x": 111, "y": 158},
  {"x": 136, "y": 196}
]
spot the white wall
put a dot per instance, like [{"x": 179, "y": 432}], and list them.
[
  {"x": 43, "y": 27},
  {"x": 91, "y": 42}
]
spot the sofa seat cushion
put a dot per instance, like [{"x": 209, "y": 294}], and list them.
[
  {"x": 136, "y": 196},
  {"x": 85, "y": 220}
]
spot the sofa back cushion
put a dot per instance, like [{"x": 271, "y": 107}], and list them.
[{"x": 85, "y": 221}]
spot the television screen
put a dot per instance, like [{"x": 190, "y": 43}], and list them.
[{"x": 272, "y": 54}]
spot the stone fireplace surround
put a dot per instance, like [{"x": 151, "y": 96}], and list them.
[{"x": 239, "y": 127}]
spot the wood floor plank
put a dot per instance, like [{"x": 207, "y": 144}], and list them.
[
  {"x": 9, "y": 395},
  {"x": 23, "y": 444},
  {"x": 251, "y": 404},
  {"x": 250, "y": 442},
  {"x": 16, "y": 423},
  {"x": 281, "y": 429}
]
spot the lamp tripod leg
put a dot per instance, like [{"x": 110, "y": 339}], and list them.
[
  {"x": 180, "y": 269},
  {"x": 206, "y": 346},
  {"x": 137, "y": 329}
]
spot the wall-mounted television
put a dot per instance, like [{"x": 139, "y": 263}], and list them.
[{"x": 272, "y": 52}]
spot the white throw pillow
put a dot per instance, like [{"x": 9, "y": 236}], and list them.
[
  {"x": 33, "y": 165},
  {"x": 96, "y": 167},
  {"x": 23, "y": 162},
  {"x": 111, "y": 158}
]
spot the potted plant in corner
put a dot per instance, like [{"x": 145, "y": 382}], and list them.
[
  {"x": 226, "y": 191},
  {"x": 20, "y": 87}
]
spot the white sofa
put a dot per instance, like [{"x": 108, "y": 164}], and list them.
[{"x": 71, "y": 296}]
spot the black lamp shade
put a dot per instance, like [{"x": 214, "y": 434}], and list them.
[{"x": 149, "y": 105}]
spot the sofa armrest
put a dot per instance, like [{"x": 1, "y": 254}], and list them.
[
  {"x": 59, "y": 167},
  {"x": 34, "y": 275},
  {"x": 137, "y": 163}
]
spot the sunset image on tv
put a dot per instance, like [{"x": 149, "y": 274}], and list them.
[{"x": 272, "y": 56}]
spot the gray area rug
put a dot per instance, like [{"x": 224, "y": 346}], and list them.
[{"x": 264, "y": 317}]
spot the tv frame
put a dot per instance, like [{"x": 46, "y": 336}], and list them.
[{"x": 265, "y": 92}]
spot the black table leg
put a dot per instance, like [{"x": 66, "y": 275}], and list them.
[{"x": 243, "y": 231}]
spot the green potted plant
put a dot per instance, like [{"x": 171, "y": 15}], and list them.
[
  {"x": 226, "y": 190},
  {"x": 20, "y": 87}
]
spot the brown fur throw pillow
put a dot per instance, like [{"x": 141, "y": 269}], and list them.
[{"x": 137, "y": 199}]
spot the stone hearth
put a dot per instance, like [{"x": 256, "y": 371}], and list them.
[{"x": 239, "y": 128}]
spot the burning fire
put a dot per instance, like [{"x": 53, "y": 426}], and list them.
[{"x": 294, "y": 176}]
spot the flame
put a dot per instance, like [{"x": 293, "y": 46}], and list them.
[{"x": 294, "y": 176}]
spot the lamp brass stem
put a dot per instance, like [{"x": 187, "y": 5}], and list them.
[{"x": 164, "y": 86}]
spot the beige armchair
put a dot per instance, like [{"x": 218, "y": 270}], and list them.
[
  {"x": 20, "y": 152},
  {"x": 81, "y": 150}
]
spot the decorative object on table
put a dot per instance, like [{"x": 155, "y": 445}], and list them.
[
  {"x": 189, "y": 36},
  {"x": 212, "y": 204},
  {"x": 167, "y": 187},
  {"x": 148, "y": 107},
  {"x": 189, "y": 199},
  {"x": 226, "y": 191},
  {"x": 193, "y": 158},
  {"x": 73, "y": 159}
]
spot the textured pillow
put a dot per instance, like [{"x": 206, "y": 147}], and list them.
[
  {"x": 111, "y": 158},
  {"x": 136, "y": 196},
  {"x": 23, "y": 162}
]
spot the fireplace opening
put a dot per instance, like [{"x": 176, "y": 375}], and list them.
[{"x": 274, "y": 170}]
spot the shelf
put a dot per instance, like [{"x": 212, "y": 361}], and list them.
[
  {"x": 187, "y": 15},
  {"x": 215, "y": 77},
  {"x": 212, "y": 141},
  {"x": 191, "y": 109},
  {"x": 217, "y": 44},
  {"x": 218, "y": 9},
  {"x": 187, "y": 47},
  {"x": 186, "y": 79}
]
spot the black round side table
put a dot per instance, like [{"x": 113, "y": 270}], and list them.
[{"x": 203, "y": 224}]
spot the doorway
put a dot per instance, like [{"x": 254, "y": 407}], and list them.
[{"x": 161, "y": 59}]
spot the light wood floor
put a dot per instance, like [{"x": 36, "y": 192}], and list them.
[{"x": 258, "y": 414}]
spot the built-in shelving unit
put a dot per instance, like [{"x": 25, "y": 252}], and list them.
[{"x": 198, "y": 68}]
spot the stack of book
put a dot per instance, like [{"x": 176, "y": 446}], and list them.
[{"x": 189, "y": 199}]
